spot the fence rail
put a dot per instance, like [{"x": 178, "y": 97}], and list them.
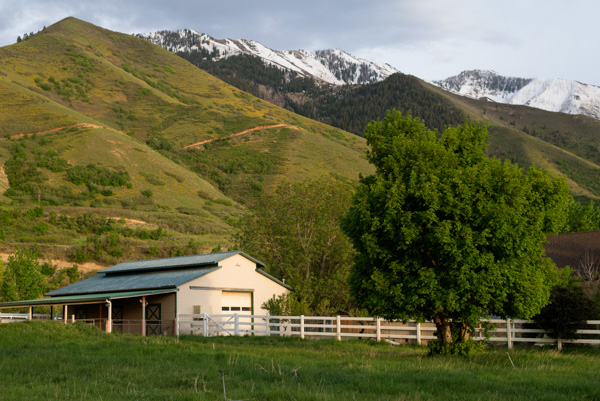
[
  {"x": 504, "y": 331},
  {"x": 19, "y": 317}
]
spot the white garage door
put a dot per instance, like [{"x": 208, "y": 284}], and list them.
[{"x": 236, "y": 302}]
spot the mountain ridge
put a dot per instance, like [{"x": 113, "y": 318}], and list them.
[
  {"x": 552, "y": 94},
  {"x": 332, "y": 66}
]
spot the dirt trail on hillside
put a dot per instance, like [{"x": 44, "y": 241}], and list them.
[
  {"x": 3, "y": 178},
  {"x": 83, "y": 267},
  {"x": 242, "y": 133},
  {"x": 85, "y": 125}
]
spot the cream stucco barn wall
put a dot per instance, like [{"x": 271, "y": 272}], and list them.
[{"x": 236, "y": 273}]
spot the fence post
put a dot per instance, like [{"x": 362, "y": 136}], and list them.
[
  {"x": 338, "y": 328},
  {"x": 30, "y": 317},
  {"x": 205, "y": 324},
  {"x": 559, "y": 344},
  {"x": 177, "y": 325},
  {"x": 509, "y": 334},
  {"x": 419, "y": 333},
  {"x": 236, "y": 324},
  {"x": 378, "y": 328},
  {"x": 301, "y": 326}
]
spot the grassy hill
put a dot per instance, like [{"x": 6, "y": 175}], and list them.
[{"x": 95, "y": 127}]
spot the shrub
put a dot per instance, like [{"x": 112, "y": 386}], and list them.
[
  {"x": 568, "y": 310},
  {"x": 73, "y": 273},
  {"x": 48, "y": 270},
  {"x": 459, "y": 348},
  {"x": 92, "y": 174},
  {"x": 159, "y": 143},
  {"x": 40, "y": 227},
  {"x": 36, "y": 212}
]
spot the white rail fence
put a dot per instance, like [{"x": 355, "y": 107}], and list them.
[
  {"x": 505, "y": 331},
  {"x": 19, "y": 317}
]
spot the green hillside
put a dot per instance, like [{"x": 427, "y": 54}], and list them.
[
  {"x": 562, "y": 143},
  {"x": 98, "y": 124}
]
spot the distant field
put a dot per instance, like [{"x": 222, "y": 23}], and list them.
[{"x": 52, "y": 362}]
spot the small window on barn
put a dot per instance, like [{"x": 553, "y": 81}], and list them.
[
  {"x": 235, "y": 308},
  {"x": 225, "y": 308},
  {"x": 246, "y": 308}
]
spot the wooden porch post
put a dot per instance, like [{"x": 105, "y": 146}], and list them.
[
  {"x": 109, "y": 319},
  {"x": 143, "y": 316},
  {"x": 30, "y": 313},
  {"x": 65, "y": 310}
]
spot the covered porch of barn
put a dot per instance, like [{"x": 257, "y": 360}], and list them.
[{"x": 150, "y": 312}]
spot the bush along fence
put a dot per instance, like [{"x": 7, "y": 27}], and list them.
[{"x": 508, "y": 332}]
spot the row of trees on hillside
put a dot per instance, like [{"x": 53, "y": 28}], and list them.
[{"x": 353, "y": 107}]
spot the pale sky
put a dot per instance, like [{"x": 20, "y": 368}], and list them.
[{"x": 431, "y": 39}]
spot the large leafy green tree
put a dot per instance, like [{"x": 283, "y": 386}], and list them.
[
  {"x": 22, "y": 278},
  {"x": 443, "y": 232},
  {"x": 296, "y": 232}
]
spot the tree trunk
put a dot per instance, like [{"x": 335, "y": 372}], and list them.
[
  {"x": 442, "y": 324},
  {"x": 465, "y": 331}
]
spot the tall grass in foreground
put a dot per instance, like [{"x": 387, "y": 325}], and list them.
[{"x": 49, "y": 361}]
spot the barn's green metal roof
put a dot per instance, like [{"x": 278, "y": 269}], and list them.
[
  {"x": 84, "y": 298},
  {"x": 132, "y": 282},
  {"x": 179, "y": 262}
]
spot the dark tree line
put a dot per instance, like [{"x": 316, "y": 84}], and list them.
[
  {"x": 353, "y": 107},
  {"x": 350, "y": 107}
]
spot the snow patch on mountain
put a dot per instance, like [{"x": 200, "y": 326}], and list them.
[
  {"x": 336, "y": 66},
  {"x": 558, "y": 95}
]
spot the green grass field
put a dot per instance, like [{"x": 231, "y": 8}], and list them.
[{"x": 46, "y": 360}]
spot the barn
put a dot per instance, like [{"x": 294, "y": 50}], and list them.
[{"x": 145, "y": 296}]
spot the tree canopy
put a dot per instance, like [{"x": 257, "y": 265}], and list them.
[
  {"x": 443, "y": 232},
  {"x": 296, "y": 233},
  {"x": 22, "y": 278}
]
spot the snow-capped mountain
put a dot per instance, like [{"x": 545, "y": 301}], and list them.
[
  {"x": 333, "y": 66},
  {"x": 559, "y": 95}
]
